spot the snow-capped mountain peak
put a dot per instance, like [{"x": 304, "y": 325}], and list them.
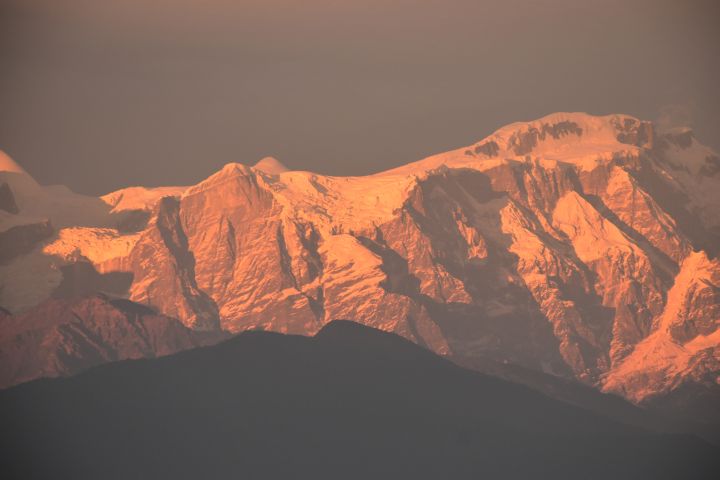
[
  {"x": 562, "y": 244},
  {"x": 7, "y": 164},
  {"x": 270, "y": 165}
]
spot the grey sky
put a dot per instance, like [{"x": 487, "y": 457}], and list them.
[{"x": 99, "y": 95}]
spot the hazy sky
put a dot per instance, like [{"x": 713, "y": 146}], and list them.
[{"x": 99, "y": 95}]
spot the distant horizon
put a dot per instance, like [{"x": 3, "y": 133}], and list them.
[
  {"x": 252, "y": 163},
  {"x": 102, "y": 95}
]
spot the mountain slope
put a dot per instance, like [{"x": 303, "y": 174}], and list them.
[
  {"x": 556, "y": 245},
  {"x": 352, "y": 402},
  {"x": 62, "y": 337}
]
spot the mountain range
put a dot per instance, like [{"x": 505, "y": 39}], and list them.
[{"x": 576, "y": 246}]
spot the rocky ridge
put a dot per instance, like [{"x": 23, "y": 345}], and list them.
[{"x": 577, "y": 245}]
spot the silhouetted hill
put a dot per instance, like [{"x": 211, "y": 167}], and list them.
[
  {"x": 695, "y": 412},
  {"x": 351, "y": 402}
]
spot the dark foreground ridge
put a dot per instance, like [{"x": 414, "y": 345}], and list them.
[{"x": 352, "y": 402}]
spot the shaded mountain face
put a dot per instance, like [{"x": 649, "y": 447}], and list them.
[
  {"x": 352, "y": 402},
  {"x": 575, "y": 245},
  {"x": 62, "y": 337}
]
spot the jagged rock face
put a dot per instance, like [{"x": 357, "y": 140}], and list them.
[
  {"x": 233, "y": 226},
  {"x": 685, "y": 343},
  {"x": 62, "y": 337},
  {"x": 561, "y": 245},
  {"x": 163, "y": 269}
]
